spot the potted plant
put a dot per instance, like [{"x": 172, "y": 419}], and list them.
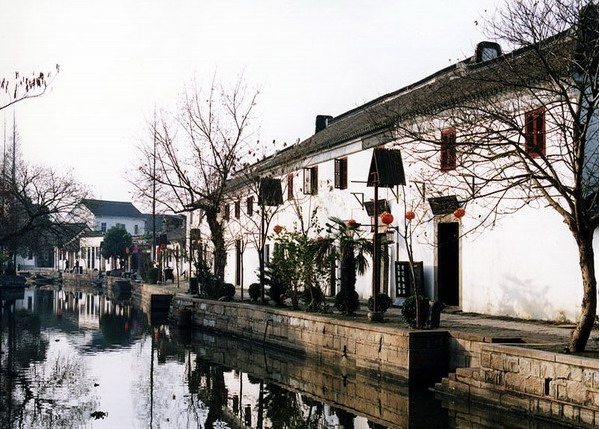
[
  {"x": 347, "y": 243},
  {"x": 377, "y": 307}
]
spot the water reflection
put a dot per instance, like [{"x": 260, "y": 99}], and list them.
[{"x": 79, "y": 358}]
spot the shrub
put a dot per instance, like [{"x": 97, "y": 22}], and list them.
[
  {"x": 211, "y": 288},
  {"x": 347, "y": 305},
  {"x": 277, "y": 292},
  {"x": 313, "y": 298},
  {"x": 383, "y": 302},
  {"x": 152, "y": 275},
  {"x": 408, "y": 310},
  {"x": 254, "y": 291},
  {"x": 228, "y": 290}
]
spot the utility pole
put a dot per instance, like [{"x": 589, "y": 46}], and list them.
[{"x": 154, "y": 191}]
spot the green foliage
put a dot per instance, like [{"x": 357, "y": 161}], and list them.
[
  {"x": 254, "y": 291},
  {"x": 408, "y": 310},
  {"x": 228, "y": 290},
  {"x": 152, "y": 275},
  {"x": 294, "y": 268},
  {"x": 313, "y": 298},
  {"x": 383, "y": 302},
  {"x": 116, "y": 240},
  {"x": 347, "y": 243},
  {"x": 347, "y": 302}
]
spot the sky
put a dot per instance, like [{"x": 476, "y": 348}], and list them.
[{"x": 121, "y": 59}]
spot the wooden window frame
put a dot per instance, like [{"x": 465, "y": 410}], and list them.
[
  {"x": 237, "y": 209},
  {"x": 311, "y": 180},
  {"x": 227, "y": 212},
  {"x": 535, "y": 138},
  {"x": 341, "y": 173},
  {"x": 448, "y": 150},
  {"x": 250, "y": 206},
  {"x": 290, "y": 195}
]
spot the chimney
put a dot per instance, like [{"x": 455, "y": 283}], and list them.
[
  {"x": 486, "y": 51},
  {"x": 322, "y": 121}
]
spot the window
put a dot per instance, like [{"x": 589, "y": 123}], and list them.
[
  {"x": 103, "y": 227},
  {"x": 227, "y": 212},
  {"x": 311, "y": 180},
  {"x": 341, "y": 173},
  {"x": 448, "y": 150},
  {"x": 237, "y": 209},
  {"x": 290, "y": 186},
  {"x": 534, "y": 132},
  {"x": 136, "y": 229},
  {"x": 250, "y": 206}
]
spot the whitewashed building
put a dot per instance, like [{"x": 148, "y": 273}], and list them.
[
  {"x": 521, "y": 263},
  {"x": 84, "y": 250}
]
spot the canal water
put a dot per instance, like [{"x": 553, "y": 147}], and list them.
[{"x": 77, "y": 358}]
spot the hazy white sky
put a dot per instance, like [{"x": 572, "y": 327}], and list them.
[{"x": 120, "y": 58}]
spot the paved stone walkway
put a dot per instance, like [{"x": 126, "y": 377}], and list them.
[{"x": 489, "y": 328}]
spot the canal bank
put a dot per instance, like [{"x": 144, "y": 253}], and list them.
[{"x": 484, "y": 360}]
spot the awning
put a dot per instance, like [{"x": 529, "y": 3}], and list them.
[{"x": 386, "y": 164}]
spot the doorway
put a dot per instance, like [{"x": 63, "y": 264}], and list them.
[{"x": 448, "y": 263}]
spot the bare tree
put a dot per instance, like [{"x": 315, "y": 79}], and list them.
[
  {"x": 24, "y": 87},
  {"x": 193, "y": 154},
  {"x": 521, "y": 127},
  {"x": 36, "y": 203}
]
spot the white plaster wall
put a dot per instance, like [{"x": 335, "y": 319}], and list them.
[
  {"x": 128, "y": 222},
  {"x": 526, "y": 266}
]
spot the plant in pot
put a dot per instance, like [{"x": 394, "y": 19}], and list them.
[
  {"x": 377, "y": 307},
  {"x": 347, "y": 243}
]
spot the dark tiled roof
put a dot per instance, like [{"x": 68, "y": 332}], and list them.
[
  {"x": 112, "y": 208},
  {"x": 455, "y": 85}
]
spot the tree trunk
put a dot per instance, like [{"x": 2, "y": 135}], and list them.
[
  {"x": 586, "y": 254},
  {"x": 218, "y": 241}
]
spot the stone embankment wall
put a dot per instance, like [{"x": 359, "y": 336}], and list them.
[
  {"x": 537, "y": 382},
  {"x": 386, "y": 402},
  {"x": 415, "y": 355}
]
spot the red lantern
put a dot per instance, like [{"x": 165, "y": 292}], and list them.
[
  {"x": 162, "y": 246},
  {"x": 386, "y": 218},
  {"x": 459, "y": 213},
  {"x": 351, "y": 223},
  {"x": 277, "y": 228},
  {"x": 410, "y": 215}
]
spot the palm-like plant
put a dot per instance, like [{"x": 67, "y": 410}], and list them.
[{"x": 347, "y": 243}]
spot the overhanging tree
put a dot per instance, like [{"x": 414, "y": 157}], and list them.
[{"x": 521, "y": 128}]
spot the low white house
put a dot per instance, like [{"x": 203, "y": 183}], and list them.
[
  {"x": 475, "y": 251},
  {"x": 84, "y": 249}
]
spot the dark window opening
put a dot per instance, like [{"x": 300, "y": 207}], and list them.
[
  {"x": 227, "y": 212},
  {"x": 290, "y": 186},
  {"x": 250, "y": 206},
  {"x": 341, "y": 173},
  {"x": 448, "y": 150},
  {"x": 237, "y": 209},
  {"x": 534, "y": 132},
  {"x": 311, "y": 180}
]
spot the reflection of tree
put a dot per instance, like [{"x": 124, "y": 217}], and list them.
[
  {"x": 287, "y": 409},
  {"x": 114, "y": 329},
  {"x": 214, "y": 389},
  {"x": 41, "y": 386},
  {"x": 346, "y": 420}
]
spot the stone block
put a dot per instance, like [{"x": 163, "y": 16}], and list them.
[
  {"x": 571, "y": 412},
  {"x": 587, "y": 416},
  {"x": 562, "y": 370},
  {"x": 510, "y": 364}
]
